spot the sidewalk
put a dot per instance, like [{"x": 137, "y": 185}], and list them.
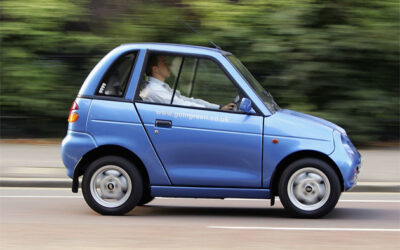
[{"x": 40, "y": 165}]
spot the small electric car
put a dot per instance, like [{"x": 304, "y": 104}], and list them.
[{"x": 168, "y": 120}]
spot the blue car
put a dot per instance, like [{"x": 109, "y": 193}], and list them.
[{"x": 169, "y": 120}]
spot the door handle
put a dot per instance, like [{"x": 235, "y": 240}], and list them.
[{"x": 163, "y": 123}]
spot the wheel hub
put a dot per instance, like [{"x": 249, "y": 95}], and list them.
[
  {"x": 111, "y": 186},
  {"x": 308, "y": 188}
]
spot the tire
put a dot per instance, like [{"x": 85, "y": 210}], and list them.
[
  {"x": 112, "y": 185},
  {"x": 309, "y": 188}
]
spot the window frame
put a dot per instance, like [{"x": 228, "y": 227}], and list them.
[
  {"x": 199, "y": 56},
  {"x": 112, "y": 97}
]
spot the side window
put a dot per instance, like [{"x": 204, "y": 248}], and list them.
[
  {"x": 188, "y": 76},
  {"x": 160, "y": 78},
  {"x": 116, "y": 79},
  {"x": 186, "y": 81},
  {"x": 209, "y": 82}
]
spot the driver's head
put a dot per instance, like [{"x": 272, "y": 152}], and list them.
[{"x": 158, "y": 67}]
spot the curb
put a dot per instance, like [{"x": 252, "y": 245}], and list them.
[
  {"x": 376, "y": 187},
  {"x": 36, "y": 182},
  {"x": 67, "y": 183}
]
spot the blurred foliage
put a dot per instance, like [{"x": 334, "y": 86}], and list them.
[{"x": 336, "y": 59}]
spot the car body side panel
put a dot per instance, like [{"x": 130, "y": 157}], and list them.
[
  {"x": 73, "y": 147},
  {"x": 198, "y": 118},
  {"x": 83, "y": 110},
  {"x": 117, "y": 123},
  {"x": 293, "y": 135},
  {"x": 206, "y": 148},
  {"x": 275, "y": 153},
  {"x": 209, "y": 192}
]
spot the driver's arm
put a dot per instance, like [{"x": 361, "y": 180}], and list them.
[
  {"x": 190, "y": 101},
  {"x": 228, "y": 106}
]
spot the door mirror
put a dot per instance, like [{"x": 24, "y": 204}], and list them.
[{"x": 245, "y": 105}]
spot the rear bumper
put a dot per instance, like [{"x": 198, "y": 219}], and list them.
[
  {"x": 73, "y": 147},
  {"x": 349, "y": 163}
]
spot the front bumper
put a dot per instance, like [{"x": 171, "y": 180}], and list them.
[{"x": 349, "y": 163}]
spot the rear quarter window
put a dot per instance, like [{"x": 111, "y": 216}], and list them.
[{"x": 117, "y": 77}]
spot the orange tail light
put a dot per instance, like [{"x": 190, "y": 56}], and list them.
[{"x": 73, "y": 115}]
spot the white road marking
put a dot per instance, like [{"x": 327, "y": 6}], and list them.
[
  {"x": 361, "y": 201},
  {"x": 36, "y": 188},
  {"x": 58, "y": 162},
  {"x": 310, "y": 229},
  {"x": 168, "y": 198},
  {"x": 371, "y": 201},
  {"x": 38, "y": 196}
]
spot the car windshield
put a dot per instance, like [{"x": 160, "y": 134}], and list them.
[{"x": 265, "y": 96}]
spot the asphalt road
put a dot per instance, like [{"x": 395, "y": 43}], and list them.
[{"x": 57, "y": 219}]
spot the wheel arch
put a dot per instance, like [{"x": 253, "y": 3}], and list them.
[
  {"x": 284, "y": 163},
  {"x": 105, "y": 150}
]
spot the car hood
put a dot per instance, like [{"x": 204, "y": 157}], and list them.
[
  {"x": 290, "y": 123},
  {"x": 315, "y": 119}
]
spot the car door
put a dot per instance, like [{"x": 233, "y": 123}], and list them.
[{"x": 203, "y": 146}]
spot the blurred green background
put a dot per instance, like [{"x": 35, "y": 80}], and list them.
[{"x": 336, "y": 59}]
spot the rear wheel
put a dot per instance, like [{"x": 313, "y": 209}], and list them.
[
  {"x": 112, "y": 185},
  {"x": 309, "y": 188}
]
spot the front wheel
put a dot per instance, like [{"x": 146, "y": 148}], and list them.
[
  {"x": 309, "y": 188},
  {"x": 112, "y": 185}
]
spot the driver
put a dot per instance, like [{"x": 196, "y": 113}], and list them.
[{"x": 158, "y": 91}]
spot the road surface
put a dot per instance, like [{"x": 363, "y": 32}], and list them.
[{"x": 43, "y": 218}]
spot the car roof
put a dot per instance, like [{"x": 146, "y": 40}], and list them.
[
  {"x": 89, "y": 86},
  {"x": 171, "y": 47}
]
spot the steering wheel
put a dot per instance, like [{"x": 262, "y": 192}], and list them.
[{"x": 236, "y": 101}]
